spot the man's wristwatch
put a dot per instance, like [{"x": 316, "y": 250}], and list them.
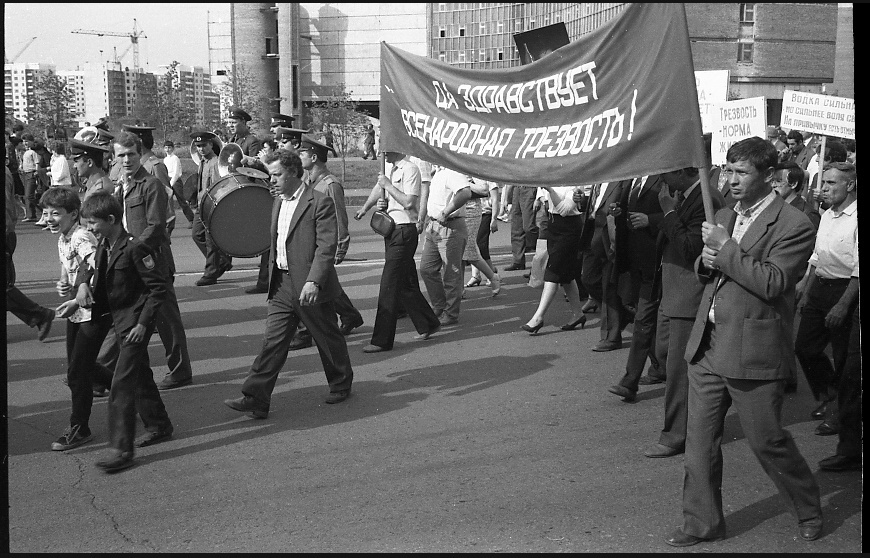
[{"x": 316, "y": 285}]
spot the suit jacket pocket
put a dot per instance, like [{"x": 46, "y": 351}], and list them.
[{"x": 761, "y": 343}]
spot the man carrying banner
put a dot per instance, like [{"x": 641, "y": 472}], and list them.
[{"x": 741, "y": 345}]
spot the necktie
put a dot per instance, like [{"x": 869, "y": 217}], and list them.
[
  {"x": 593, "y": 199},
  {"x": 635, "y": 192},
  {"x": 679, "y": 196}
]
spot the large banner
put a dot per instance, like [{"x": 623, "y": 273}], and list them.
[
  {"x": 822, "y": 114},
  {"x": 734, "y": 121},
  {"x": 617, "y": 103}
]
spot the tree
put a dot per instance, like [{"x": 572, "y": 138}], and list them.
[
  {"x": 49, "y": 105},
  {"x": 145, "y": 104},
  {"x": 339, "y": 111},
  {"x": 242, "y": 90},
  {"x": 174, "y": 108}
]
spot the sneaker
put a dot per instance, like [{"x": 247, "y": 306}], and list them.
[
  {"x": 72, "y": 437},
  {"x": 495, "y": 284}
]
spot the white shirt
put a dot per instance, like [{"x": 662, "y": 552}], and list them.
[
  {"x": 173, "y": 167},
  {"x": 60, "y": 175},
  {"x": 73, "y": 249},
  {"x": 836, "y": 253},
  {"x": 563, "y": 203},
  {"x": 601, "y": 191},
  {"x": 445, "y": 184},
  {"x": 405, "y": 177},
  {"x": 285, "y": 215},
  {"x": 424, "y": 167}
]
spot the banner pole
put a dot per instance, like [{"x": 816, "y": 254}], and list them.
[
  {"x": 383, "y": 159},
  {"x": 705, "y": 189},
  {"x": 811, "y": 198}
]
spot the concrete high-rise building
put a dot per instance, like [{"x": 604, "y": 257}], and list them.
[
  {"x": 196, "y": 89},
  {"x": 19, "y": 80}
]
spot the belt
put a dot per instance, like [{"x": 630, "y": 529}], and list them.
[
  {"x": 448, "y": 219},
  {"x": 831, "y": 282}
]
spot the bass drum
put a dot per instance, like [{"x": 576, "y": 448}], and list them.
[{"x": 237, "y": 213}]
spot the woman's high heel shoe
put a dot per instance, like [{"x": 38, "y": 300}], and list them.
[
  {"x": 533, "y": 330},
  {"x": 473, "y": 282},
  {"x": 581, "y": 321}
]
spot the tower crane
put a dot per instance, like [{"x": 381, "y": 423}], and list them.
[
  {"x": 134, "y": 36},
  {"x": 19, "y": 53}
]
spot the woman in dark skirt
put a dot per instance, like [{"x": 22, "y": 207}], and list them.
[{"x": 563, "y": 247}]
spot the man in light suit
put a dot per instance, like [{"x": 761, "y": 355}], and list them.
[
  {"x": 603, "y": 231},
  {"x": 303, "y": 285},
  {"x": 741, "y": 345}
]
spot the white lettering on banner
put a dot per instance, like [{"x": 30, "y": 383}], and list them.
[
  {"x": 547, "y": 93},
  {"x": 457, "y": 136}
]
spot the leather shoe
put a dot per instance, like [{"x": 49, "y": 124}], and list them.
[
  {"x": 827, "y": 429},
  {"x": 841, "y": 463},
  {"x": 515, "y": 267},
  {"x": 447, "y": 321},
  {"x": 347, "y": 328},
  {"x": 115, "y": 463},
  {"x": 679, "y": 538},
  {"x": 337, "y": 396},
  {"x": 206, "y": 281},
  {"x": 604, "y": 346},
  {"x": 247, "y": 405},
  {"x": 661, "y": 450},
  {"x": 257, "y": 289},
  {"x": 374, "y": 349},
  {"x": 301, "y": 342},
  {"x": 169, "y": 383},
  {"x": 819, "y": 412},
  {"x": 428, "y": 334},
  {"x": 624, "y": 392},
  {"x": 151, "y": 438},
  {"x": 648, "y": 380},
  {"x": 810, "y": 529}
]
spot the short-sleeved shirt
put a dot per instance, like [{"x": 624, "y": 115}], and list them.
[
  {"x": 835, "y": 255},
  {"x": 445, "y": 184},
  {"x": 425, "y": 168},
  {"x": 405, "y": 177},
  {"x": 73, "y": 249},
  {"x": 173, "y": 167}
]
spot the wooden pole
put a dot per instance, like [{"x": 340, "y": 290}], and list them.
[
  {"x": 709, "y": 215},
  {"x": 811, "y": 198}
]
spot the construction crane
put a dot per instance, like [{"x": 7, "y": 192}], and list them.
[
  {"x": 19, "y": 53},
  {"x": 134, "y": 36}
]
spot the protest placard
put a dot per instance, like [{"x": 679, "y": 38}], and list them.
[
  {"x": 712, "y": 86},
  {"x": 820, "y": 114},
  {"x": 734, "y": 121}
]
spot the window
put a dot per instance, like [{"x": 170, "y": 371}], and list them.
[
  {"x": 747, "y": 13},
  {"x": 482, "y": 56},
  {"x": 744, "y": 52},
  {"x": 442, "y": 32},
  {"x": 442, "y": 56},
  {"x": 462, "y": 56},
  {"x": 499, "y": 27},
  {"x": 483, "y": 28},
  {"x": 500, "y": 54},
  {"x": 461, "y": 30}
]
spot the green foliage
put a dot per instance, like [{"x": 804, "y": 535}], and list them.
[
  {"x": 48, "y": 107},
  {"x": 339, "y": 112}
]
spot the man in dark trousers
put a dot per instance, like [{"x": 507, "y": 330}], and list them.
[
  {"x": 303, "y": 285},
  {"x": 524, "y": 227},
  {"x": 644, "y": 216},
  {"x": 216, "y": 262},
  {"x": 125, "y": 293},
  {"x": 603, "y": 232},
  {"x": 741, "y": 345},
  {"x": 144, "y": 203}
]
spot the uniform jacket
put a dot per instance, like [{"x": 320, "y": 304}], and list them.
[
  {"x": 250, "y": 144},
  {"x": 755, "y": 303},
  {"x": 127, "y": 284},
  {"x": 98, "y": 182},
  {"x": 310, "y": 245},
  {"x": 677, "y": 247},
  {"x": 145, "y": 209},
  {"x": 329, "y": 185},
  {"x": 208, "y": 176}
]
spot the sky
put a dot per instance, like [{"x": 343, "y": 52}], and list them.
[{"x": 176, "y": 31}]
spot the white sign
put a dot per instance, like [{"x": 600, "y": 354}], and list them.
[
  {"x": 821, "y": 114},
  {"x": 712, "y": 86},
  {"x": 734, "y": 121}
]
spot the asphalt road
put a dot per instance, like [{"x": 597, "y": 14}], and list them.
[{"x": 482, "y": 439}]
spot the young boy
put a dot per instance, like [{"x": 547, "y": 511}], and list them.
[
  {"x": 76, "y": 247},
  {"x": 125, "y": 290}
]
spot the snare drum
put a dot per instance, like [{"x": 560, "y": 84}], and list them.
[{"x": 237, "y": 213}]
